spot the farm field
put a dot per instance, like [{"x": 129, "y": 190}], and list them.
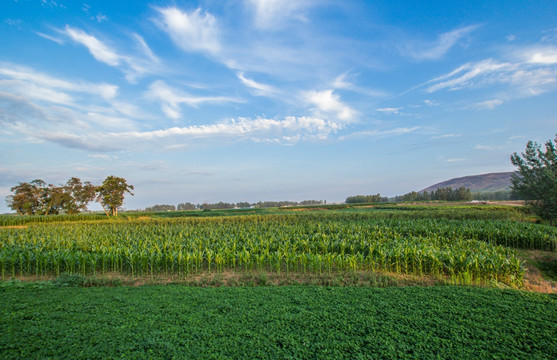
[
  {"x": 164, "y": 322},
  {"x": 211, "y": 284},
  {"x": 421, "y": 241}
]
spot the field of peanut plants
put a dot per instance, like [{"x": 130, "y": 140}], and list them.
[{"x": 51, "y": 269}]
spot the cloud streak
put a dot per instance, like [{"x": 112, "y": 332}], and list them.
[
  {"x": 443, "y": 44},
  {"x": 132, "y": 66},
  {"x": 171, "y": 99},
  {"x": 192, "y": 31}
]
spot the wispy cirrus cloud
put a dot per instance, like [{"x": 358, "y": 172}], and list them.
[
  {"x": 258, "y": 88},
  {"x": 100, "y": 51},
  {"x": 488, "y": 147},
  {"x": 390, "y": 110},
  {"x": 489, "y": 104},
  {"x": 443, "y": 44},
  {"x": 445, "y": 136},
  {"x": 29, "y": 82},
  {"x": 194, "y": 31},
  {"x": 380, "y": 133},
  {"x": 288, "y": 130},
  {"x": 523, "y": 78},
  {"x": 171, "y": 98},
  {"x": 273, "y": 13},
  {"x": 132, "y": 66}
]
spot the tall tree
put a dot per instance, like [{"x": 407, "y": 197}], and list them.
[
  {"x": 27, "y": 197},
  {"x": 536, "y": 180},
  {"x": 52, "y": 199},
  {"x": 76, "y": 195},
  {"x": 111, "y": 194}
]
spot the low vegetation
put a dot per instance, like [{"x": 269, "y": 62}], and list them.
[{"x": 164, "y": 322}]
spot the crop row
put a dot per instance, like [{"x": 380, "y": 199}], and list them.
[{"x": 263, "y": 243}]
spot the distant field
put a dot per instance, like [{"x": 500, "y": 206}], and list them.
[{"x": 164, "y": 322}]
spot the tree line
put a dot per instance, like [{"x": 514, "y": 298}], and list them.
[
  {"x": 39, "y": 198},
  {"x": 239, "y": 205},
  {"x": 360, "y": 199},
  {"x": 441, "y": 194}
]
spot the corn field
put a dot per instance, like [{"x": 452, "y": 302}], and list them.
[{"x": 471, "y": 251}]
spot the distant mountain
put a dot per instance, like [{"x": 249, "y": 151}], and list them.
[{"x": 477, "y": 183}]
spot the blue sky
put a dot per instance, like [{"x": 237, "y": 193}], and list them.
[{"x": 207, "y": 101}]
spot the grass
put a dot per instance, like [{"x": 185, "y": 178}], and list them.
[{"x": 41, "y": 320}]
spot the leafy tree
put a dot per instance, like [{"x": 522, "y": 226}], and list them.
[
  {"x": 76, "y": 195},
  {"x": 536, "y": 180},
  {"x": 111, "y": 194},
  {"x": 28, "y": 198},
  {"x": 358, "y": 199},
  {"x": 186, "y": 206},
  {"x": 163, "y": 207},
  {"x": 52, "y": 199}
]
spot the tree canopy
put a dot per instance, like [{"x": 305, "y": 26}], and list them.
[
  {"x": 111, "y": 194},
  {"x": 38, "y": 198},
  {"x": 536, "y": 180}
]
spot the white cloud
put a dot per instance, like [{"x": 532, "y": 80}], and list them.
[
  {"x": 260, "y": 89},
  {"x": 191, "y": 31},
  {"x": 380, "y": 133},
  {"x": 171, "y": 98},
  {"x": 487, "y": 147},
  {"x": 131, "y": 66},
  {"x": 489, "y": 104},
  {"x": 51, "y": 38},
  {"x": 446, "y": 136},
  {"x": 328, "y": 102},
  {"x": 455, "y": 160},
  {"x": 242, "y": 127},
  {"x": 99, "y": 50},
  {"x": 431, "y": 103},
  {"x": 273, "y": 13},
  {"x": 444, "y": 43},
  {"x": 465, "y": 75},
  {"x": 533, "y": 72},
  {"x": 31, "y": 83},
  {"x": 145, "y": 49},
  {"x": 100, "y": 17},
  {"x": 390, "y": 110},
  {"x": 546, "y": 56}
]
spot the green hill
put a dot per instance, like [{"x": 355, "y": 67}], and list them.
[{"x": 477, "y": 183}]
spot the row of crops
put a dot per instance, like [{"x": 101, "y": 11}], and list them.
[
  {"x": 468, "y": 250},
  {"x": 485, "y": 212}
]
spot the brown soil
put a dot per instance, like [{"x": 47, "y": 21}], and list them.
[
  {"x": 534, "y": 279},
  {"x": 14, "y": 227}
]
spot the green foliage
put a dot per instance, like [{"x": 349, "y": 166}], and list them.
[
  {"x": 318, "y": 242},
  {"x": 38, "y": 198},
  {"x": 536, "y": 180},
  {"x": 358, "y": 199},
  {"x": 290, "y": 322},
  {"x": 155, "y": 208},
  {"x": 441, "y": 194},
  {"x": 111, "y": 193}
]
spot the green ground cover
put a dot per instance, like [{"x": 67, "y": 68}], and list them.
[{"x": 42, "y": 320}]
